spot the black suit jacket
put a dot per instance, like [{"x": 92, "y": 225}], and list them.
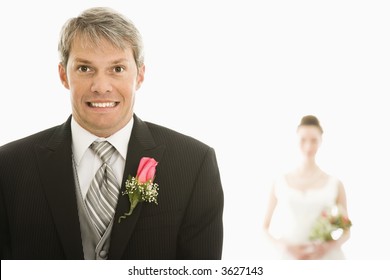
[{"x": 38, "y": 209}]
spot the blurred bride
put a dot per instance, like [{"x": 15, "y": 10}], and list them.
[{"x": 300, "y": 197}]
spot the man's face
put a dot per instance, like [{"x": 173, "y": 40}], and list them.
[{"x": 102, "y": 81}]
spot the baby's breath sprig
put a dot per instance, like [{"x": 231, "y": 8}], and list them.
[{"x": 139, "y": 192}]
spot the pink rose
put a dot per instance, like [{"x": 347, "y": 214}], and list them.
[{"x": 146, "y": 169}]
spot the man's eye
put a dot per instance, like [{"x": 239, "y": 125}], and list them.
[
  {"x": 118, "y": 69},
  {"x": 84, "y": 68}
]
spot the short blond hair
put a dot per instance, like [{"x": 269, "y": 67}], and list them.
[{"x": 99, "y": 23}]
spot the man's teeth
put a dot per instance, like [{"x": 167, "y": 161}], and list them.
[{"x": 102, "y": 104}]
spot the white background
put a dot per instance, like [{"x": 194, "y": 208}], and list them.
[
  {"x": 237, "y": 75},
  {"x": 118, "y": 270}
]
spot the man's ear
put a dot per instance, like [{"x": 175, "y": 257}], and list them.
[
  {"x": 63, "y": 76},
  {"x": 140, "y": 76}
]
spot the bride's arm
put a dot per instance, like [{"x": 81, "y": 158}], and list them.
[
  {"x": 342, "y": 202},
  {"x": 268, "y": 216},
  {"x": 322, "y": 248}
]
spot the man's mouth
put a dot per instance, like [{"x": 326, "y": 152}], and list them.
[{"x": 102, "y": 104}]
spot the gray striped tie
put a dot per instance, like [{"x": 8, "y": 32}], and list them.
[{"x": 103, "y": 193}]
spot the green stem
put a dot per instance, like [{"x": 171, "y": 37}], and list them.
[{"x": 132, "y": 207}]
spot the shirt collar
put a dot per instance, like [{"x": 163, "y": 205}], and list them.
[{"x": 82, "y": 139}]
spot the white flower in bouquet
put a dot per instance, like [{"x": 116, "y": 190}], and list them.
[{"x": 330, "y": 225}]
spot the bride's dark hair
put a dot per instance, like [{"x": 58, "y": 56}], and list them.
[{"x": 311, "y": 120}]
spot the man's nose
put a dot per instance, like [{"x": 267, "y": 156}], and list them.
[{"x": 101, "y": 83}]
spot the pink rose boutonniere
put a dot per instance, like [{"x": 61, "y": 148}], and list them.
[{"x": 141, "y": 187}]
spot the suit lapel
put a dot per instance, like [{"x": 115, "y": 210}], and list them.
[
  {"x": 141, "y": 144},
  {"x": 55, "y": 166}
]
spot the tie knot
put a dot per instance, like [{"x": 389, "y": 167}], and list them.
[{"x": 103, "y": 149}]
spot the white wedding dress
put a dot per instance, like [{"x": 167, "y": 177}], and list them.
[{"x": 297, "y": 211}]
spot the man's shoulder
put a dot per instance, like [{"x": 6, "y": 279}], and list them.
[
  {"x": 28, "y": 142},
  {"x": 169, "y": 136}
]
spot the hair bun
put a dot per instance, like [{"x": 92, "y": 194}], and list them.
[{"x": 311, "y": 120}]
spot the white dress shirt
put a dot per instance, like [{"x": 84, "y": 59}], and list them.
[{"x": 87, "y": 162}]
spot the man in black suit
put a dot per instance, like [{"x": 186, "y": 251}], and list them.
[{"x": 45, "y": 178}]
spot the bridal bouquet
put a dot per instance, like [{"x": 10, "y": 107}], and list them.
[{"x": 330, "y": 225}]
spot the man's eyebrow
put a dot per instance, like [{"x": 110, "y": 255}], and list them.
[
  {"x": 85, "y": 61},
  {"x": 121, "y": 60},
  {"x": 82, "y": 60}
]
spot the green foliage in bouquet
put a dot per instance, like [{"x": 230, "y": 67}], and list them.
[{"x": 330, "y": 225}]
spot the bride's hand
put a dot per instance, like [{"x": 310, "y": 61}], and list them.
[
  {"x": 301, "y": 251},
  {"x": 320, "y": 249}
]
